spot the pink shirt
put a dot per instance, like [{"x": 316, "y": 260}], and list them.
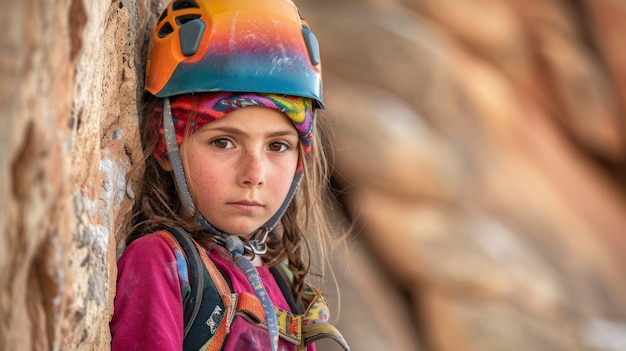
[{"x": 148, "y": 304}]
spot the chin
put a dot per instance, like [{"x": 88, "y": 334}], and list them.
[{"x": 244, "y": 231}]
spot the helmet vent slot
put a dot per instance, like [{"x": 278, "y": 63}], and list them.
[
  {"x": 165, "y": 30},
  {"x": 184, "y": 4},
  {"x": 163, "y": 15},
  {"x": 180, "y": 20}
]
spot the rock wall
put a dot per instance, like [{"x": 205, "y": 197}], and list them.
[
  {"x": 69, "y": 90},
  {"x": 479, "y": 154}
]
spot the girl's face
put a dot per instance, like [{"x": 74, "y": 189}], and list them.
[{"x": 239, "y": 168}]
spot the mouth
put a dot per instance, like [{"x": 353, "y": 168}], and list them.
[{"x": 246, "y": 206}]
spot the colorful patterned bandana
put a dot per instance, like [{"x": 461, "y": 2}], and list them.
[{"x": 207, "y": 107}]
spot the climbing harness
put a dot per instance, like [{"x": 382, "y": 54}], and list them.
[{"x": 210, "y": 306}]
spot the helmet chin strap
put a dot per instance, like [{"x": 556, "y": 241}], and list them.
[
  {"x": 173, "y": 154},
  {"x": 257, "y": 245}
]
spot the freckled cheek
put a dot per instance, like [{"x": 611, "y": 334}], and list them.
[
  {"x": 205, "y": 176},
  {"x": 284, "y": 175}
]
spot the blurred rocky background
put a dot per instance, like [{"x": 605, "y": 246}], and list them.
[{"x": 479, "y": 155}]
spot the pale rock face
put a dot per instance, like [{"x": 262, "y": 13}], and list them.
[
  {"x": 479, "y": 147},
  {"x": 69, "y": 96}
]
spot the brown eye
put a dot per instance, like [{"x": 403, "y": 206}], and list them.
[
  {"x": 278, "y": 147},
  {"x": 222, "y": 143}
]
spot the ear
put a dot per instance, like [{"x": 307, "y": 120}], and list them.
[{"x": 165, "y": 163}]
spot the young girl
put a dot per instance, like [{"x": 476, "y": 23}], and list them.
[{"x": 232, "y": 161}]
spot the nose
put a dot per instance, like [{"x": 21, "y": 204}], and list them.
[{"x": 252, "y": 172}]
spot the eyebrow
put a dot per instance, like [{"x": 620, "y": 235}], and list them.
[{"x": 236, "y": 131}]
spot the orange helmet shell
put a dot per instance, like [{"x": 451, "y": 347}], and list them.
[{"x": 233, "y": 45}]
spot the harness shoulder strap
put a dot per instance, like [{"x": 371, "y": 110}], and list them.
[
  {"x": 315, "y": 323},
  {"x": 314, "y": 318}
]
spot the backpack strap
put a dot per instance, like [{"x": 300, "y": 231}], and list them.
[
  {"x": 284, "y": 278},
  {"x": 208, "y": 306},
  {"x": 196, "y": 276}
]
